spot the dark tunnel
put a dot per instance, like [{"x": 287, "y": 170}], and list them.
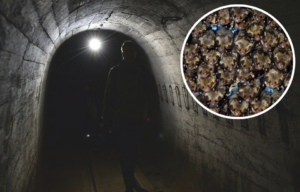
[
  {"x": 73, "y": 104},
  {"x": 46, "y": 85}
]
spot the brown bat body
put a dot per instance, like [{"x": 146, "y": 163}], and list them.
[
  {"x": 262, "y": 104},
  {"x": 261, "y": 59},
  {"x": 255, "y": 30},
  {"x": 207, "y": 83},
  {"x": 204, "y": 70},
  {"x": 249, "y": 92},
  {"x": 191, "y": 83},
  {"x": 224, "y": 17},
  {"x": 237, "y": 107},
  {"x": 245, "y": 76},
  {"x": 246, "y": 63},
  {"x": 273, "y": 23},
  {"x": 282, "y": 40},
  {"x": 242, "y": 44},
  {"x": 282, "y": 57},
  {"x": 198, "y": 31},
  {"x": 190, "y": 73},
  {"x": 258, "y": 16},
  {"x": 191, "y": 62},
  {"x": 245, "y": 24},
  {"x": 226, "y": 77},
  {"x": 211, "y": 19},
  {"x": 190, "y": 68},
  {"x": 211, "y": 57},
  {"x": 276, "y": 95},
  {"x": 269, "y": 40},
  {"x": 228, "y": 61},
  {"x": 224, "y": 39},
  {"x": 214, "y": 97},
  {"x": 190, "y": 51},
  {"x": 207, "y": 41},
  {"x": 239, "y": 14},
  {"x": 274, "y": 78}
]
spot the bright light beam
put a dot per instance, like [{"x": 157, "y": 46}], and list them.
[{"x": 94, "y": 44}]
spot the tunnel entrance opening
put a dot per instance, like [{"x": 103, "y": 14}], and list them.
[
  {"x": 75, "y": 86},
  {"x": 73, "y": 102}
]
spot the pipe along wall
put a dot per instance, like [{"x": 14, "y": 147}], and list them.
[{"x": 259, "y": 154}]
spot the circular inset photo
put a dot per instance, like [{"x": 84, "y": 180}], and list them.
[{"x": 237, "y": 61}]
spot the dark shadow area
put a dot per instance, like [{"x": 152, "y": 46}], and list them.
[{"x": 73, "y": 104}]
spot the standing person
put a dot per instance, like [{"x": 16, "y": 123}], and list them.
[{"x": 125, "y": 109}]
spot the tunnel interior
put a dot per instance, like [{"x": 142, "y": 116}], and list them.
[
  {"x": 76, "y": 82},
  {"x": 201, "y": 151}
]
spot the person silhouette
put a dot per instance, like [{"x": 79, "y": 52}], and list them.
[{"x": 125, "y": 109}]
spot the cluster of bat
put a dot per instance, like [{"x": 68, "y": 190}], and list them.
[{"x": 237, "y": 61}]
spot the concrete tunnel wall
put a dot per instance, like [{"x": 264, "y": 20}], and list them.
[{"x": 259, "y": 154}]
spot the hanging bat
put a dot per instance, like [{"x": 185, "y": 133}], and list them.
[
  {"x": 207, "y": 41},
  {"x": 237, "y": 106},
  {"x": 261, "y": 60},
  {"x": 249, "y": 92},
  {"x": 211, "y": 57},
  {"x": 229, "y": 60},
  {"x": 224, "y": 39},
  {"x": 273, "y": 78},
  {"x": 242, "y": 44},
  {"x": 282, "y": 58},
  {"x": 206, "y": 84},
  {"x": 239, "y": 14},
  {"x": 255, "y": 30},
  {"x": 212, "y": 98},
  {"x": 262, "y": 104}
]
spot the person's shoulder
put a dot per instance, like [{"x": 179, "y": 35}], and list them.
[{"x": 114, "y": 69}]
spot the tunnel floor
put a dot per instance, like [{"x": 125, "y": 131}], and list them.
[{"x": 81, "y": 168}]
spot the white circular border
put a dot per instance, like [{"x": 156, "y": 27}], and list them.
[{"x": 229, "y": 6}]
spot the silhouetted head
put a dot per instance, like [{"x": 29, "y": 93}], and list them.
[{"x": 128, "y": 50}]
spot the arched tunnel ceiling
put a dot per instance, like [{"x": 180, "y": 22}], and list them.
[{"x": 46, "y": 24}]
